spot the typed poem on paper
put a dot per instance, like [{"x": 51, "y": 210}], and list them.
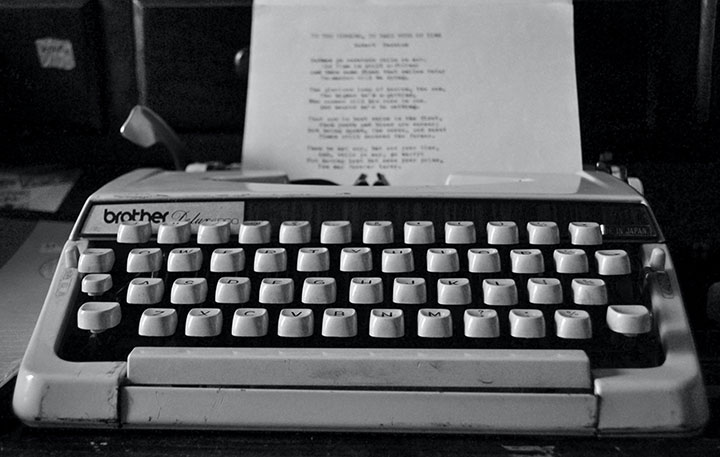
[{"x": 412, "y": 89}]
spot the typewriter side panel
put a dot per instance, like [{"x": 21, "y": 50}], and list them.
[
  {"x": 668, "y": 399},
  {"x": 51, "y": 391}
]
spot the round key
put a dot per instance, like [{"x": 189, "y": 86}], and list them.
[
  {"x": 184, "y": 259},
  {"x": 203, "y": 322},
  {"x": 410, "y": 291},
  {"x": 144, "y": 260},
  {"x": 502, "y": 232},
  {"x": 499, "y": 292},
  {"x": 527, "y": 261},
  {"x": 585, "y": 233},
  {"x": 296, "y": 323},
  {"x": 460, "y": 232},
  {"x": 434, "y": 323},
  {"x": 213, "y": 232},
  {"x": 545, "y": 291},
  {"x": 174, "y": 232},
  {"x": 270, "y": 260},
  {"x": 250, "y": 322},
  {"x": 158, "y": 322},
  {"x": 589, "y": 291},
  {"x": 96, "y": 284},
  {"x": 295, "y": 232},
  {"x": 378, "y": 232},
  {"x": 145, "y": 291},
  {"x": 629, "y": 320},
  {"x": 573, "y": 324},
  {"x": 454, "y": 291},
  {"x": 227, "y": 260},
  {"x": 543, "y": 233},
  {"x": 96, "y": 260},
  {"x": 397, "y": 260},
  {"x": 570, "y": 261},
  {"x": 335, "y": 232},
  {"x": 232, "y": 289},
  {"x": 134, "y": 232},
  {"x": 442, "y": 260},
  {"x": 387, "y": 323},
  {"x": 483, "y": 260},
  {"x": 276, "y": 291},
  {"x": 98, "y": 316},
  {"x": 527, "y": 323},
  {"x": 356, "y": 259},
  {"x": 189, "y": 291},
  {"x": 481, "y": 323},
  {"x": 319, "y": 291},
  {"x": 254, "y": 232},
  {"x": 419, "y": 232},
  {"x": 366, "y": 291},
  {"x": 339, "y": 323},
  {"x": 613, "y": 262},
  {"x": 313, "y": 259}
]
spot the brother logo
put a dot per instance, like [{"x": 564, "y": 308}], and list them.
[{"x": 115, "y": 217}]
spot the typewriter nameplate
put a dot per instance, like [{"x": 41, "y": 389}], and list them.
[{"x": 104, "y": 219}]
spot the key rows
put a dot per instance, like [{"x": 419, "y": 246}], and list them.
[
  {"x": 609, "y": 262},
  {"x": 383, "y": 323},
  {"x": 361, "y": 290},
  {"x": 373, "y": 232}
]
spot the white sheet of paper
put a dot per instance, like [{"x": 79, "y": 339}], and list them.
[
  {"x": 412, "y": 89},
  {"x": 36, "y": 188}
]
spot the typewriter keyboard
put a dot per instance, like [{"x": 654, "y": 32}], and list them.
[
  {"x": 399, "y": 278},
  {"x": 189, "y": 300}
]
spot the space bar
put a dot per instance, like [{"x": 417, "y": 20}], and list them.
[{"x": 360, "y": 368}]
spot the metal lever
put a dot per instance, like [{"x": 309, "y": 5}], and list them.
[{"x": 145, "y": 128}]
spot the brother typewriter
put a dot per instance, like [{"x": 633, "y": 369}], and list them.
[{"x": 506, "y": 304}]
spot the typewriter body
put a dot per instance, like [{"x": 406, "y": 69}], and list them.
[{"x": 505, "y": 304}]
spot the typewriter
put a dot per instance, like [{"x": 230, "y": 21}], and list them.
[{"x": 540, "y": 304}]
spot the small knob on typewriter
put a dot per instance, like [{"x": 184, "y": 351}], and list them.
[{"x": 657, "y": 260}]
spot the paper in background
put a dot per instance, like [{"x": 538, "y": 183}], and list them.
[
  {"x": 36, "y": 188},
  {"x": 414, "y": 89},
  {"x": 25, "y": 276}
]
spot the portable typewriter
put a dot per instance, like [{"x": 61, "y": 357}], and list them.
[{"x": 507, "y": 304}]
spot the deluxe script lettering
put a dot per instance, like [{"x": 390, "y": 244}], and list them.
[{"x": 197, "y": 218}]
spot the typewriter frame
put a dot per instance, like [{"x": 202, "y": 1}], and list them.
[{"x": 665, "y": 400}]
